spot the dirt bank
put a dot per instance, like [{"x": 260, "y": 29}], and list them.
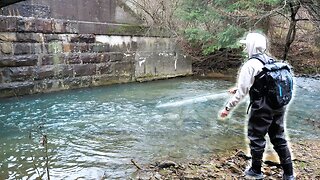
[{"x": 230, "y": 165}]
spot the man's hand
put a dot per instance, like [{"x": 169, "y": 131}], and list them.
[
  {"x": 224, "y": 113},
  {"x": 232, "y": 90}
]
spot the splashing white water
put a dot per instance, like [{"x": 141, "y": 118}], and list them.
[{"x": 193, "y": 100}]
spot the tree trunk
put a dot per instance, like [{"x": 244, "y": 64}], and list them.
[{"x": 294, "y": 8}]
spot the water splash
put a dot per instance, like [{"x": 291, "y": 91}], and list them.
[{"x": 193, "y": 100}]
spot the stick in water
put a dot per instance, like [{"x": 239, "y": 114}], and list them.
[{"x": 135, "y": 164}]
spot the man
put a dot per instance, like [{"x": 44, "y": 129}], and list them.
[{"x": 263, "y": 119}]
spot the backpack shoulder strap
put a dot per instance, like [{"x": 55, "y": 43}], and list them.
[
  {"x": 263, "y": 59},
  {"x": 258, "y": 58}
]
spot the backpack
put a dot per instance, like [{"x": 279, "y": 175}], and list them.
[{"x": 275, "y": 82}]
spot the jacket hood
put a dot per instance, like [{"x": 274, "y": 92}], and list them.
[{"x": 256, "y": 43}]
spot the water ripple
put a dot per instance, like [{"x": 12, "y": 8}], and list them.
[{"x": 94, "y": 133}]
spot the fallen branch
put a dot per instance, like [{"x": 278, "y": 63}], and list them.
[
  {"x": 298, "y": 160},
  {"x": 135, "y": 164}
]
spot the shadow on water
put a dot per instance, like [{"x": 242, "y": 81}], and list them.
[{"x": 94, "y": 133}]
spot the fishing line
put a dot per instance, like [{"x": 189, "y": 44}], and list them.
[{"x": 193, "y": 100}]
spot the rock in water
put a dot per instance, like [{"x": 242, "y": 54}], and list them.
[{"x": 167, "y": 164}]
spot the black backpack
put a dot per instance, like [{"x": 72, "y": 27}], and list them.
[{"x": 275, "y": 82}]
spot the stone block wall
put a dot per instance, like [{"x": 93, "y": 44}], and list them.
[
  {"x": 111, "y": 11},
  {"x": 43, "y": 55}
]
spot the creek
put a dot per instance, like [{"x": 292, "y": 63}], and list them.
[{"x": 94, "y": 133}]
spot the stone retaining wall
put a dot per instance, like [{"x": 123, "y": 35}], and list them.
[{"x": 42, "y": 55}]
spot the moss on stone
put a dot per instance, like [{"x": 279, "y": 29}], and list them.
[{"x": 55, "y": 47}]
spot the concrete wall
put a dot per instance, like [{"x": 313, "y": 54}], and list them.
[
  {"x": 8, "y": 2},
  {"x": 50, "y": 54},
  {"x": 111, "y": 11}
]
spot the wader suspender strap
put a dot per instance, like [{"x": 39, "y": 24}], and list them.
[{"x": 259, "y": 75}]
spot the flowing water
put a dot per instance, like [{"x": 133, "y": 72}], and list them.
[{"x": 94, "y": 133}]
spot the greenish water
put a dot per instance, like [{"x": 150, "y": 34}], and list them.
[{"x": 94, "y": 133}]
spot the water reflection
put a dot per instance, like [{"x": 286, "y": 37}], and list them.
[{"x": 94, "y": 133}]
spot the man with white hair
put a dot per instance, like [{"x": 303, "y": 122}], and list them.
[{"x": 263, "y": 118}]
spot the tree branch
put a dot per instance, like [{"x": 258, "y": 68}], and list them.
[{"x": 271, "y": 12}]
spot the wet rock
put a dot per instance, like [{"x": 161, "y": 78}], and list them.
[
  {"x": 308, "y": 170},
  {"x": 167, "y": 164},
  {"x": 192, "y": 177},
  {"x": 234, "y": 168},
  {"x": 145, "y": 176},
  {"x": 16, "y": 89},
  {"x": 267, "y": 171},
  {"x": 157, "y": 176},
  {"x": 243, "y": 155}
]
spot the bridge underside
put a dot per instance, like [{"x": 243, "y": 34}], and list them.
[{"x": 4, "y": 3}]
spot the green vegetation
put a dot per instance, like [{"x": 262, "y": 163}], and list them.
[{"x": 215, "y": 25}]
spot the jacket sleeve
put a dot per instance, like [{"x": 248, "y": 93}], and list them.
[{"x": 245, "y": 80}]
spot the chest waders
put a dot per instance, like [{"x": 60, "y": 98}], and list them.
[{"x": 265, "y": 119}]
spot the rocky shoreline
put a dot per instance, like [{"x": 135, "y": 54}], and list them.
[
  {"x": 231, "y": 165},
  {"x": 314, "y": 76}
]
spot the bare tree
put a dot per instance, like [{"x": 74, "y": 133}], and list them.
[
  {"x": 294, "y": 8},
  {"x": 313, "y": 7},
  {"x": 156, "y": 13}
]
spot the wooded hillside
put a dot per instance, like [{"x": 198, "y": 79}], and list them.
[{"x": 209, "y": 30}]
